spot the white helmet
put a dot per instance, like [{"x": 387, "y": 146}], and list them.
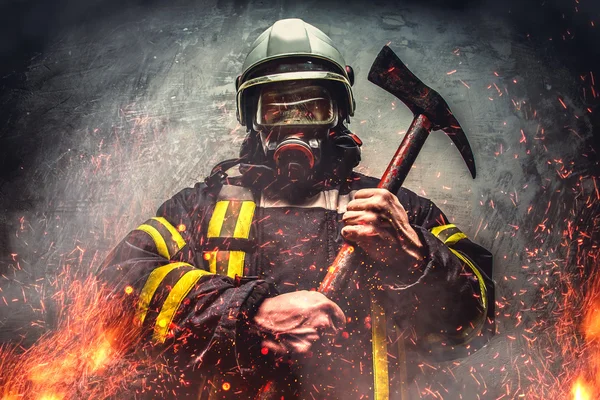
[{"x": 292, "y": 50}]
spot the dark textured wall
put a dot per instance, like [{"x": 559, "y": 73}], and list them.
[{"x": 108, "y": 108}]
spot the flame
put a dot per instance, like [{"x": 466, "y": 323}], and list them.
[
  {"x": 51, "y": 396},
  {"x": 581, "y": 390},
  {"x": 591, "y": 322},
  {"x": 587, "y": 389},
  {"x": 562, "y": 357},
  {"x": 86, "y": 357}
]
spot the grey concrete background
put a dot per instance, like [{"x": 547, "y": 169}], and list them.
[{"x": 110, "y": 108}]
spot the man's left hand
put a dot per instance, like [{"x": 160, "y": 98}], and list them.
[{"x": 377, "y": 223}]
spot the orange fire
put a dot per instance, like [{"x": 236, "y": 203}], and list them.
[
  {"x": 581, "y": 391},
  {"x": 81, "y": 357},
  {"x": 591, "y": 323},
  {"x": 587, "y": 384}
]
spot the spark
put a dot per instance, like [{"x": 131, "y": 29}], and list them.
[
  {"x": 562, "y": 103},
  {"x": 523, "y": 138}
]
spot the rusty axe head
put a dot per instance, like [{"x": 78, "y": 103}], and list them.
[{"x": 389, "y": 73}]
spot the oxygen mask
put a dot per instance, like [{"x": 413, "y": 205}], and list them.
[{"x": 294, "y": 119}]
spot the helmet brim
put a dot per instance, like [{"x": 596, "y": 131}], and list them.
[{"x": 292, "y": 76}]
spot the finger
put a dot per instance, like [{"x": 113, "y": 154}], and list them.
[
  {"x": 359, "y": 233},
  {"x": 274, "y": 347},
  {"x": 324, "y": 323},
  {"x": 338, "y": 318},
  {"x": 304, "y": 330},
  {"x": 382, "y": 195},
  {"x": 368, "y": 192},
  {"x": 300, "y": 346},
  {"x": 311, "y": 337},
  {"x": 392, "y": 215},
  {"x": 359, "y": 217},
  {"x": 349, "y": 233},
  {"x": 377, "y": 195},
  {"x": 375, "y": 203},
  {"x": 362, "y": 204}
]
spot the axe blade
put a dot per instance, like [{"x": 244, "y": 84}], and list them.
[{"x": 389, "y": 73}]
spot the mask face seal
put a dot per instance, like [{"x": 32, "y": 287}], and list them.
[{"x": 293, "y": 120}]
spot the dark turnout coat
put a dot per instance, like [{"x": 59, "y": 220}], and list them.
[{"x": 197, "y": 272}]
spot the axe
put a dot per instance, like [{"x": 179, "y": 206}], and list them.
[{"x": 430, "y": 113}]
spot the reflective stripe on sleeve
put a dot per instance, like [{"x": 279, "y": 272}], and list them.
[
  {"x": 173, "y": 301},
  {"x": 455, "y": 238},
  {"x": 448, "y": 234},
  {"x": 159, "y": 241},
  {"x": 151, "y": 285},
  {"x": 175, "y": 235},
  {"x": 166, "y": 238},
  {"x": 473, "y": 268}
]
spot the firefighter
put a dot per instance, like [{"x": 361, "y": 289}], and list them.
[{"x": 222, "y": 280}]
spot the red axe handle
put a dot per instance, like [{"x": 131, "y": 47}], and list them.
[{"x": 344, "y": 265}]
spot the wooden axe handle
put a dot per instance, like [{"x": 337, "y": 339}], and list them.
[{"x": 344, "y": 265}]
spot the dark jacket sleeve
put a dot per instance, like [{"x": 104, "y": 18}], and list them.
[
  {"x": 448, "y": 302},
  {"x": 184, "y": 310}
]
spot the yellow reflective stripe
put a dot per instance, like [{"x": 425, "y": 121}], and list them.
[
  {"x": 216, "y": 221},
  {"x": 173, "y": 301},
  {"x": 439, "y": 229},
  {"x": 175, "y": 235},
  {"x": 455, "y": 238},
  {"x": 402, "y": 374},
  {"x": 482, "y": 288},
  {"x": 152, "y": 283},
  {"x": 159, "y": 241},
  {"x": 212, "y": 262},
  {"x": 236, "y": 263},
  {"x": 380, "y": 361},
  {"x": 242, "y": 230},
  {"x": 242, "y": 227}
]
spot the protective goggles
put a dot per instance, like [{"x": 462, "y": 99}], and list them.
[{"x": 295, "y": 103}]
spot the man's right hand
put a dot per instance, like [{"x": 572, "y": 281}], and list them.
[{"x": 291, "y": 323}]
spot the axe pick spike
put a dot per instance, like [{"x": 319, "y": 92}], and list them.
[{"x": 390, "y": 73}]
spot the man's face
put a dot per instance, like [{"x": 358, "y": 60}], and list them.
[{"x": 293, "y": 120}]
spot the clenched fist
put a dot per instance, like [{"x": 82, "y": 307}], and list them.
[
  {"x": 376, "y": 221},
  {"x": 291, "y": 323}
]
